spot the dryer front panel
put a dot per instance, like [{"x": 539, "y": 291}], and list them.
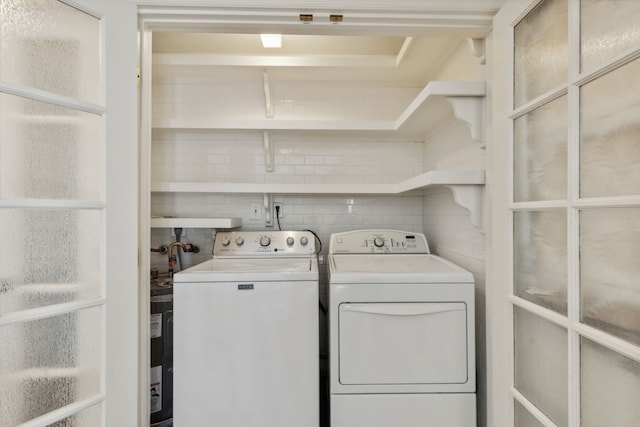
[
  {"x": 402, "y": 338},
  {"x": 403, "y": 343}
]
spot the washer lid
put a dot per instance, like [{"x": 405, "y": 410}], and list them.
[
  {"x": 251, "y": 269},
  {"x": 388, "y": 268}
]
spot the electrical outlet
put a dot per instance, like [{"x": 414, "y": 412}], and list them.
[
  {"x": 255, "y": 212},
  {"x": 278, "y": 209}
]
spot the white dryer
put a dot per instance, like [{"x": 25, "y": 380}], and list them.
[
  {"x": 401, "y": 333},
  {"x": 246, "y": 333}
]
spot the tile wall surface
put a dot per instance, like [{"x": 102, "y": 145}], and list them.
[
  {"x": 239, "y": 157},
  {"x": 242, "y": 98},
  {"x": 451, "y": 236}
]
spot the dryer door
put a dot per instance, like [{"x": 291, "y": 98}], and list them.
[{"x": 403, "y": 343}]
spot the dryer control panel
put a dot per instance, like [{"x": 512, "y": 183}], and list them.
[
  {"x": 378, "y": 241},
  {"x": 242, "y": 244}
]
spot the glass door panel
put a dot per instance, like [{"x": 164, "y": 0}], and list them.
[
  {"x": 609, "y": 133},
  {"x": 540, "y": 52},
  {"x": 523, "y": 418},
  {"x": 540, "y": 362},
  {"x": 540, "y": 258},
  {"x": 48, "y": 151},
  {"x": 51, "y": 362},
  {"x": 608, "y": 27},
  {"x": 540, "y": 153},
  {"x": 89, "y": 417},
  {"x": 51, "y": 46},
  {"x": 610, "y": 386},
  {"x": 54, "y": 257},
  {"x": 610, "y": 271}
]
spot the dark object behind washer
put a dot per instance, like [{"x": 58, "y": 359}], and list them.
[{"x": 161, "y": 375}]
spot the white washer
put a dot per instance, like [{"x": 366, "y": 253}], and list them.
[
  {"x": 401, "y": 333},
  {"x": 246, "y": 333}
]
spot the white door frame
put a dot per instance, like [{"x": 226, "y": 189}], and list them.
[
  {"x": 122, "y": 338},
  {"x": 497, "y": 190}
]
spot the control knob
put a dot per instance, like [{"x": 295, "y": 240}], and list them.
[
  {"x": 239, "y": 241},
  {"x": 304, "y": 240},
  {"x": 379, "y": 242},
  {"x": 265, "y": 241},
  {"x": 290, "y": 241},
  {"x": 225, "y": 241}
]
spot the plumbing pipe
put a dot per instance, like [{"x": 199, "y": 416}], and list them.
[
  {"x": 187, "y": 247},
  {"x": 178, "y": 233},
  {"x": 162, "y": 249}
]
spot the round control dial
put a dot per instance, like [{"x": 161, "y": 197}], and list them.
[
  {"x": 239, "y": 241},
  {"x": 379, "y": 242},
  {"x": 304, "y": 240},
  {"x": 225, "y": 241},
  {"x": 265, "y": 241},
  {"x": 290, "y": 241}
]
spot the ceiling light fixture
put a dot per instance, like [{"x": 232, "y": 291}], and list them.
[{"x": 271, "y": 40}]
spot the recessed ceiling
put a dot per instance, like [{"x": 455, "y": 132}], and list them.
[
  {"x": 390, "y": 60},
  {"x": 292, "y": 44}
]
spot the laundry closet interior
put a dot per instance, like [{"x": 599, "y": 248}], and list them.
[{"x": 355, "y": 122}]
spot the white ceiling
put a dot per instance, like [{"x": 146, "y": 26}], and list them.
[
  {"x": 382, "y": 46},
  {"x": 389, "y": 60}
]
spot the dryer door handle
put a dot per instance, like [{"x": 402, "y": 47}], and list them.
[{"x": 403, "y": 309}]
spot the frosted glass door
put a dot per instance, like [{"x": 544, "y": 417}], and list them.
[
  {"x": 571, "y": 132},
  {"x": 56, "y": 210}
]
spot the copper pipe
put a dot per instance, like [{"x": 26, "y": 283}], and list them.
[
  {"x": 187, "y": 247},
  {"x": 162, "y": 249}
]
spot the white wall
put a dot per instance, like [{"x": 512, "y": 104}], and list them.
[{"x": 447, "y": 225}]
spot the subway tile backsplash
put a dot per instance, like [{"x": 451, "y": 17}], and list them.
[
  {"x": 202, "y": 99},
  {"x": 322, "y": 214},
  {"x": 240, "y": 158}
]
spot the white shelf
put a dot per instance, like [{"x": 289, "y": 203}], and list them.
[
  {"x": 436, "y": 177},
  {"x": 433, "y": 105},
  {"x": 467, "y": 187},
  {"x": 210, "y": 187},
  {"x": 164, "y": 222},
  {"x": 441, "y": 177},
  {"x": 425, "y": 114}
]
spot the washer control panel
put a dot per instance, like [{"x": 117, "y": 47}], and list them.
[
  {"x": 378, "y": 241},
  {"x": 264, "y": 243}
]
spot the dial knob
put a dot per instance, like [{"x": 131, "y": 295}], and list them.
[
  {"x": 290, "y": 241},
  {"x": 379, "y": 242},
  {"x": 225, "y": 241},
  {"x": 265, "y": 241},
  {"x": 304, "y": 240},
  {"x": 239, "y": 241}
]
